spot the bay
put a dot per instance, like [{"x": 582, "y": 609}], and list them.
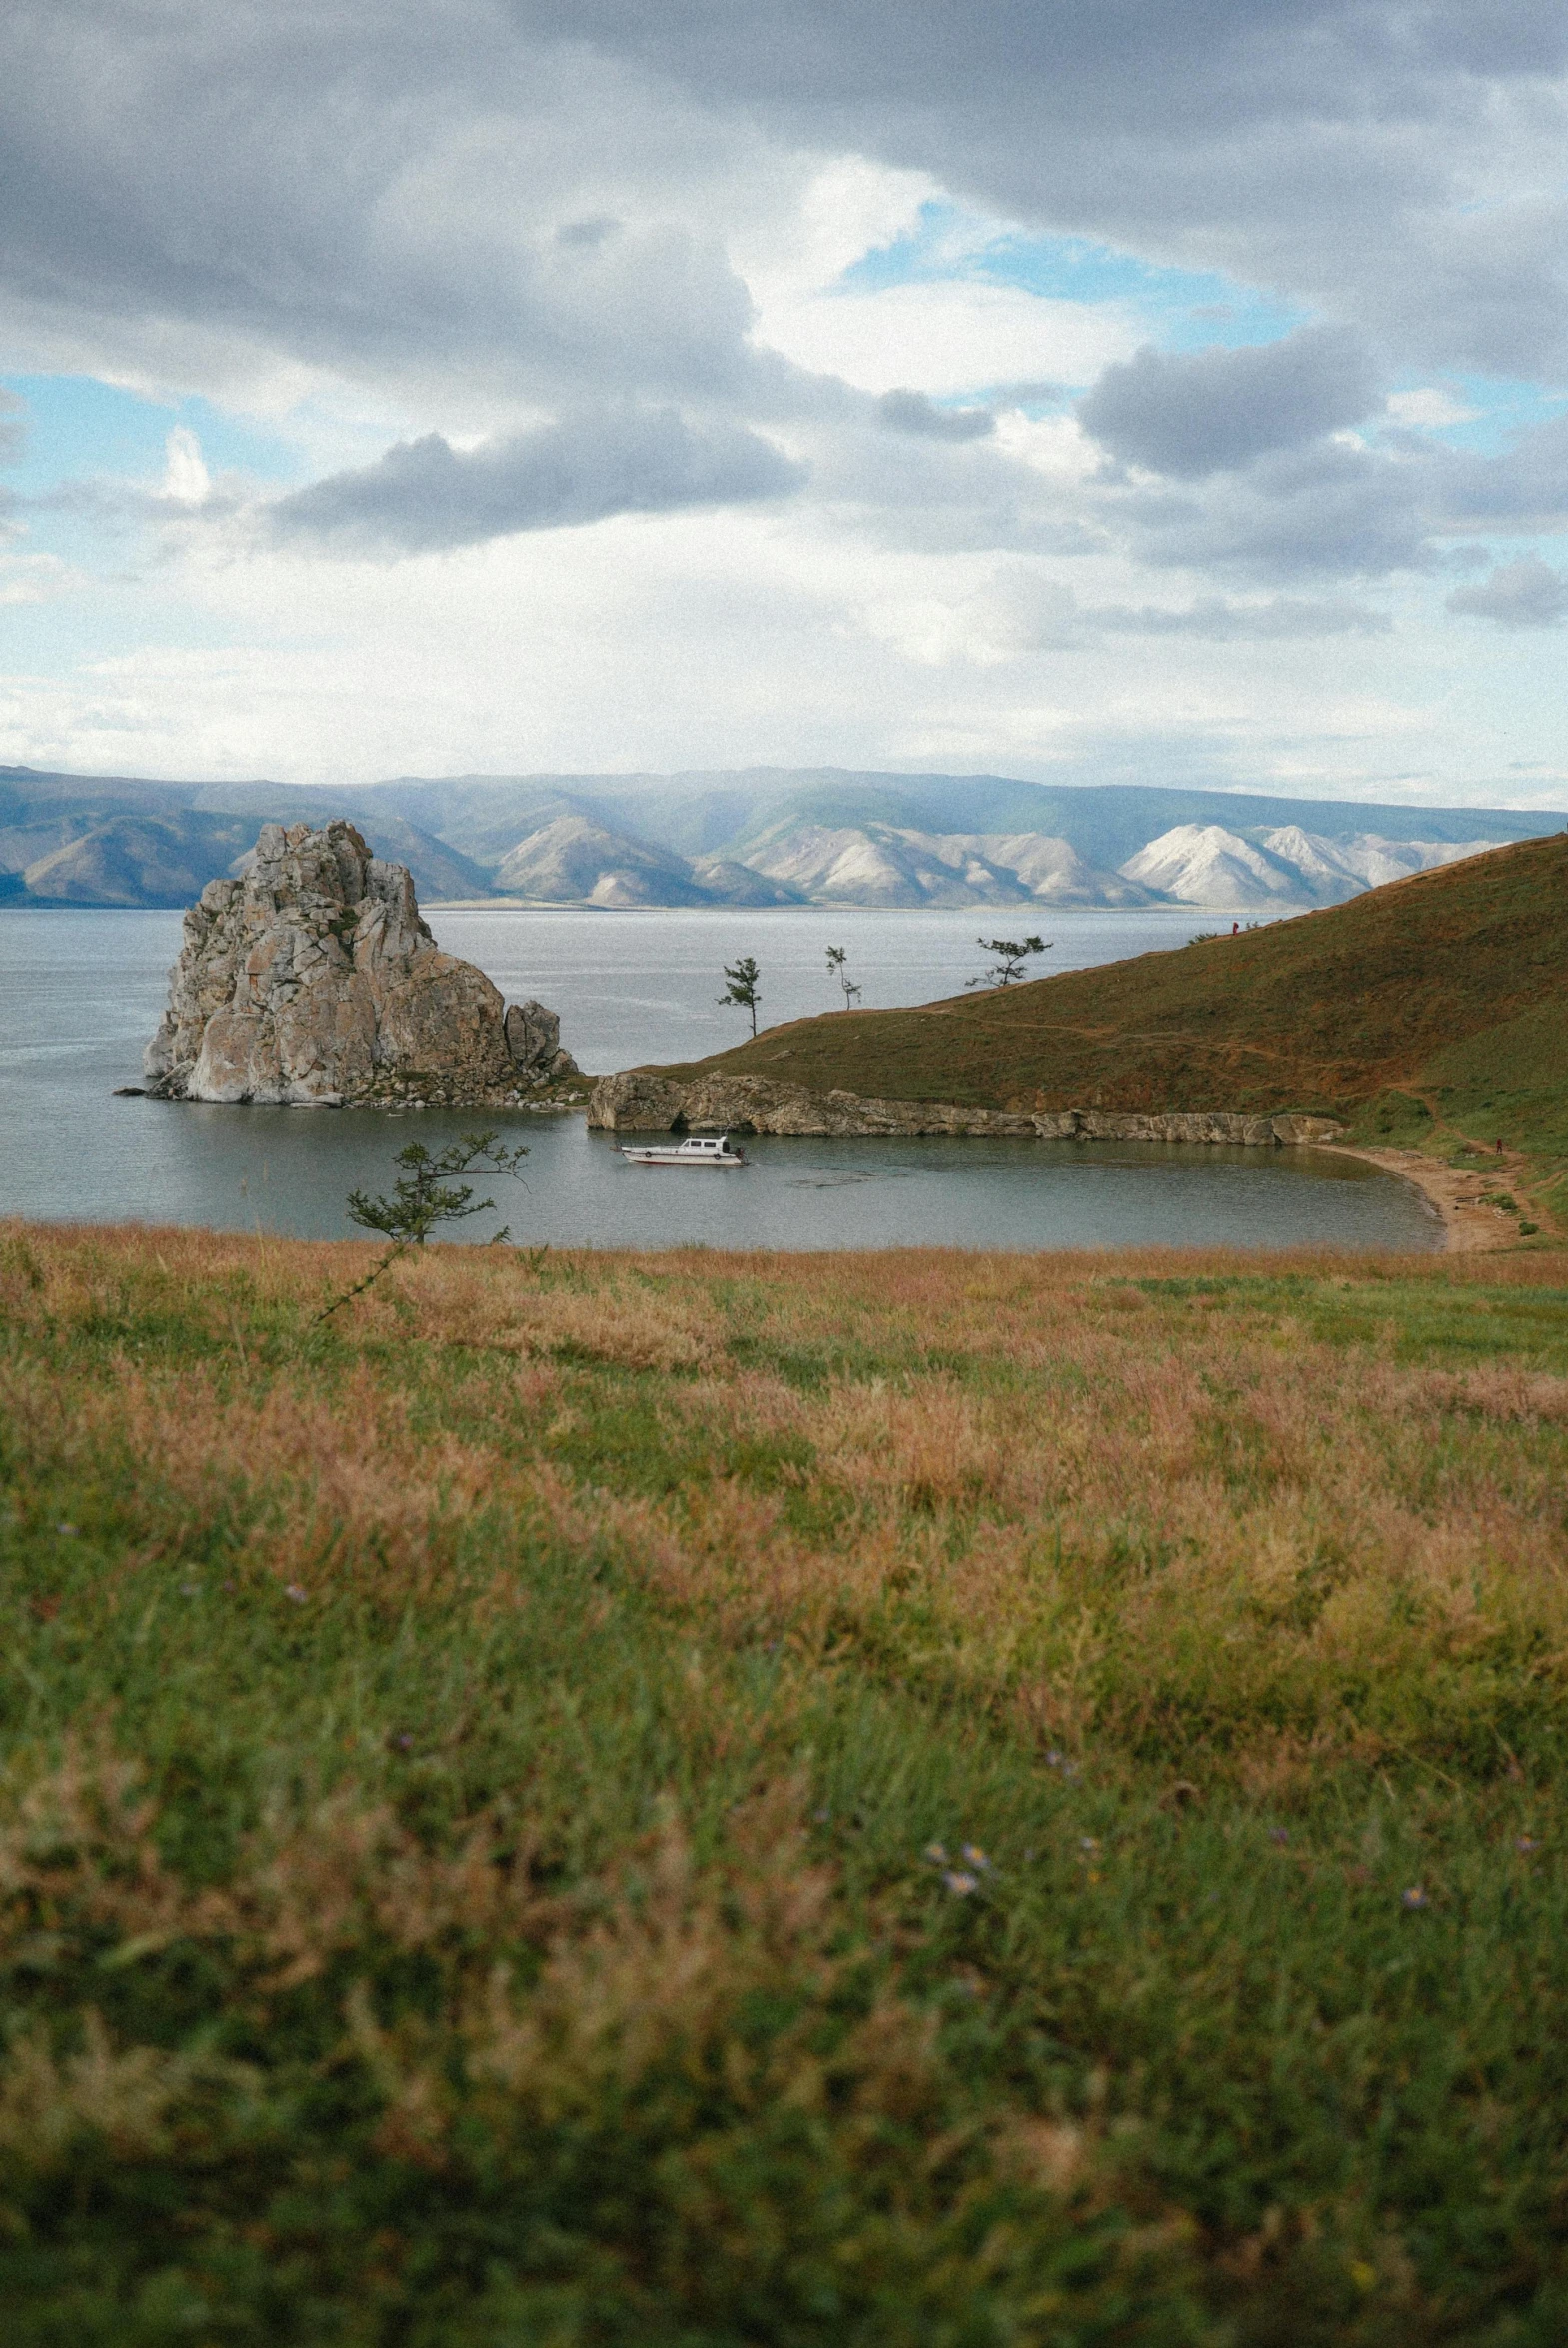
[{"x": 81, "y": 991}]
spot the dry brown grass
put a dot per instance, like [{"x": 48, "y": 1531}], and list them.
[
  {"x": 1085, "y": 1502},
  {"x": 642, "y": 2008},
  {"x": 404, "y": 1843}
]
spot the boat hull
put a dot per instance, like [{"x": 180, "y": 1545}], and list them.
[{"x": 674, "y": 1157}]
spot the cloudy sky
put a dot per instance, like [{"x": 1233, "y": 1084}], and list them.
[{"x": 1124, "y": 392}]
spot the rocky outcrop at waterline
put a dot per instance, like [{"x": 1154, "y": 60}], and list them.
[
  {"x": 313, "y": 980},
  {"x": 643, "y": 1100}
]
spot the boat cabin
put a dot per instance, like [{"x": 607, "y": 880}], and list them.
[{"x": 694, "y": 1150}]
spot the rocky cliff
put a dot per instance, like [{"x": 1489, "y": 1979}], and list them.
[
  {"x": 313, "y": 980},
  {"x": 643, "y": 1101}
]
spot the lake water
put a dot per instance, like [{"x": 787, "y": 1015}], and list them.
[{"x": 80, "y": 992}]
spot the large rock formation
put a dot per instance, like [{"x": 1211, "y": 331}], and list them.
[
  {"x": 643, "y": 1100},
  {"x": 313, "y": 980}
]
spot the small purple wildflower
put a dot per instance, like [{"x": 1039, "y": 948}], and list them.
[
  {"x": 957, "y": 1881},
  {"x": 294, "y": 1594},
  {"x": 1415, "y": 1897},
  {"x": 1279, "y": 1835},
  {"x": 1526, "y": 1843},
  {"x": 972, "y": 1856}
]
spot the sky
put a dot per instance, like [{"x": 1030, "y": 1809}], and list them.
[{"x": 1126, "y": 392}]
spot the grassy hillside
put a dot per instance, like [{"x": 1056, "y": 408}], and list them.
[
  {"x": 1454, "y": 982},
  {"x": 810, "y": 1801}
]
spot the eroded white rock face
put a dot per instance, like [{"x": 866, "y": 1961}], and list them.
[
  {"x": 643, "y": 1100},
  {"x": 313, "y": 980}
]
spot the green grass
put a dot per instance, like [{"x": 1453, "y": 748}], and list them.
[{"x": 470, "y": 1774}]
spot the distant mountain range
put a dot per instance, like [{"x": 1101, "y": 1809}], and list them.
[{"x": 762, "y": 836}]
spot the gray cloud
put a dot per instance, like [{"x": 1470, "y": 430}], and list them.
[
  {"x": 1336, "y": 508},
  {"x": 1527, "y": 593},
  {"x": 1339, "y": 509},
  {"x": 13, "y": 426},
  {"x": 1025, "y": 611},
  {"x": 1523, "y": 490},
  {"x": 912, "y": 411},
  {"x": 415, "y": 195},
  {"x": 1026, "y": 395},
  {"x": 505, "y": 205},
  {"x": 1211, "y": 411},
  {"x": 1223, "y": 621},
  {"x": 494, "y": 185},
  {"x": 1325, "y": 512},
  {"x": 1329, "y": 149},
  {"x": 423, "y": 495}
]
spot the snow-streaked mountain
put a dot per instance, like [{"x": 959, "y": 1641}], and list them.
[
  {"x": 754, "y": 835},
  {"x": 1283, "y": 864},
  {"x": 887, "y": 864},
  {"x": 574, "y": 862},
  {"x": 1343, "y": 867},
  {"x": 840, "y": 864},
  {"x": 1053, "y": 871},
  {"x": 724, "y": 882},
  {"x": 1203, "y": 863}
]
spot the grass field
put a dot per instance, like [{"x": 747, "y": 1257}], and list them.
[
  {"x": 712, "y": 1800},
  {"x": 1422, "y": 1012}
]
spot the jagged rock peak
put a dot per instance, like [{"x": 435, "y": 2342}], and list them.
[{"x": 313, "y": 980}]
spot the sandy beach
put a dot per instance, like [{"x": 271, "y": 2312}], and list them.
[{"x": 1457, "y": 1192}]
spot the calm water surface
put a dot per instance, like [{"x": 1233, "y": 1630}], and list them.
[{"x": 80, "y": 992}]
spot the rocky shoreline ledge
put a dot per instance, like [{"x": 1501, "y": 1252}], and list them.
[{"x": 643, "y": 1100}]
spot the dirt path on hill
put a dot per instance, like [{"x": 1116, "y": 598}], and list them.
[{"x": 1456, "y": 1191}]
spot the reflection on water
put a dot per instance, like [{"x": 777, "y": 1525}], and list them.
[{"x": 81, "y": 992}]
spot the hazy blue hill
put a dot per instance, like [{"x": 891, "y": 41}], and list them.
[
  {"x": 484, "y": 817},
  {"x": 687, "y": 837},
  {"x": 1109, "y": 822},
  {"x": 722, "y": 811},
  {"x": 123, "y": 840},
  {"x": 138, "y": 860}
]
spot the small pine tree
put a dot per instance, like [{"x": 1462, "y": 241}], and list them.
[
  {"x": 837, "y": 955},
  {"x": 1012, "y": 954},
  {"x": 429, "y": 1192},
  {"x": 742, "y": 990}
]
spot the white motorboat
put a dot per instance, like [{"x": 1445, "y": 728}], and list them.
[{"x": 695, "y": 1149}]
